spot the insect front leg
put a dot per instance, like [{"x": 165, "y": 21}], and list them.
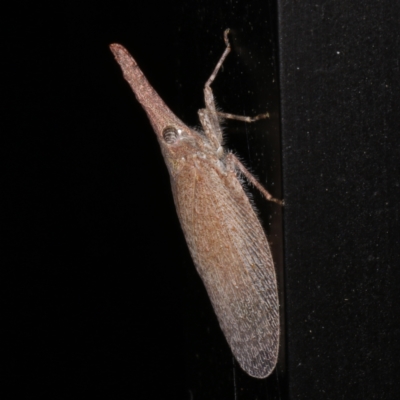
[
  {"x": 221, "y": 60},
  {"x": 209, "y": 116},
  {"x": 212, "y": 131}
]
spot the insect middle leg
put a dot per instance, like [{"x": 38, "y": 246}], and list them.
[{"x": 242, "y": 117}]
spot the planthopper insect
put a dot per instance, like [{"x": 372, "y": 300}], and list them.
[{"x": 225, "y": 238}]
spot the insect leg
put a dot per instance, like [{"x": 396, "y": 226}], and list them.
[
  {"x": 243, "y": 118},
  {"x": 213, "y": 115},
  {"x": 221, "y": 60},
  {"x": 231, "y": 159},
  {"x": 209, "y": 116}
]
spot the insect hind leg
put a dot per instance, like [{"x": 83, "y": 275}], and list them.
[{"x": 234, "y": 161}]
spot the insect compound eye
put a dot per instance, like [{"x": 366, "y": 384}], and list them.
[{"x": 170, "y": 135}]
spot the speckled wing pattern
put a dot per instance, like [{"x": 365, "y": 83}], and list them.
[
  {"x": 226, "y": 240},
  {"x": 241, "y": 282}
]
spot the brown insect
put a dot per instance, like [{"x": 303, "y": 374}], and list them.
[{"x": 225, "y": 238}]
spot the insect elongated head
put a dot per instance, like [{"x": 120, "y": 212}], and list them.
[
  {"x": 173, "y": 135},
  {"x": 225, "y": 238}
]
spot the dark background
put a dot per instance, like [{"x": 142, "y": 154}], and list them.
[
  {"x": 340, "y": 91},
  {"x": 100, "y": 295}
]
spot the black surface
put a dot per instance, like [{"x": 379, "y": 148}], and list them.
[
  {"x": 101, "y": 296},
  {"x": 341, "y": 148}
]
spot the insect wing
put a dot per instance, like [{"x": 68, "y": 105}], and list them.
[{"x": 232, "y": 256}]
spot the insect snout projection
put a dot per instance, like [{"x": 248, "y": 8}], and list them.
[{"x": 225, "y": 238}]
